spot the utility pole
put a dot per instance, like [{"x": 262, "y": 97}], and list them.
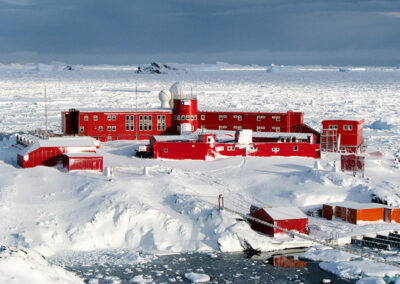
[
  {"x": 45, "y": 111},
  {"x": 137, "y": 120}
]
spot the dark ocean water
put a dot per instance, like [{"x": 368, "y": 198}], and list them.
[{"x": 222, "y": 268}]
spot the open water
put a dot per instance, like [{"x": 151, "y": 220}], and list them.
[{"x": 221, "y": 267}]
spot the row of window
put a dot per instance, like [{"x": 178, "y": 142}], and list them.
[
  {"x": 232, "y": 148},
  {"x": 183, "y": 117},
  {"x": 345, "y": 127},
  {"x": 239, "y": 117},
  {"x": 239, "y": 127}
]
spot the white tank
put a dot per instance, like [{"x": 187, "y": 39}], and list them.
[
  {"x": 176, "y": 90},
  {"x": 165, "y": 98}
]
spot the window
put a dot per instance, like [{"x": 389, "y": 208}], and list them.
[
  {"x": 222, "y": 127},
  {"x": 231, "y": 148},
  {"x": 258, "y": 118},
  {"x": 209, "y": 139},
  {"x": 150, "y": 122},
  {"x": 109, "y": 138},
  {"x": 114, "y": 128},
  {"x": 295, "y": 148},
  {"x": 344, "y": 127},
  {"x": 86, "y": 118},
  {"x": 129, "y": 123},
  {"x": 335, "y": 127},
  {"x": 203, "y": 117},
  {"x": 161, "y": 122},
  {"x": 350, "y": 127},
  {"x": 239, "y": 127},
  {"x": 182, "y": 117},
  {"x": 275, "y": 150},
  {"x": 239, "y": 118},
  {"x": 109, "y": 117},
  {"x": 82, "y": 129},
  {"x": 220, "y": 117},
  {"x": 330, "y": 126},
  {"x": 192, "y": 127},
  {"x": 100, "y": 128},
  {"x": 203, "y": 127},
  {"x": 188, "y": 117},
  {"x": 95, "y": 117},
  {"x": 140, "y": 122},
  {"x": 258, "y": 128},
  {"x": 114, "y": 118},
  {"x": 192, "y": 117},
  {"x": 195, "y": 117},
  {"x": 278, "y": 118},
  {"x": 109, "y": 128},
  {"x": 178, "y": 117},
  {"x": 165, "y": 150}
]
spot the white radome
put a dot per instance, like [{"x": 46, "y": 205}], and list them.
[
  {"x": 176, "y": 90},
  {"x": 165, "y": 98}
]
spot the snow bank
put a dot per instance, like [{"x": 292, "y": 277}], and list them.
[
  {"x": 197, "y": 277},
  {"x": 359, "y": 268},
  {"x": 27, "y": 266},
  {"x": 371, "y": 280},
  {"x": 349, "y": 266}
]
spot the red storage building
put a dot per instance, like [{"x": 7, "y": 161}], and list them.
[
  {"x": 289, "y": 218},
  {"x": 83, "y": 161}
]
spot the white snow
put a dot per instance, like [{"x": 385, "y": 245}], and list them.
[
  {"x": 284, "y": 213},
  {"x": 27, "y": 266},
  {"x": 174, "y": 207},
  {"x": 197, "y": 277}
]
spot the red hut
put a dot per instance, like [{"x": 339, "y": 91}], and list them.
[
  {"x": 289, "y": 218},
  {"x": 344, "y": 135},
  {"x": 83, "y": 161}
]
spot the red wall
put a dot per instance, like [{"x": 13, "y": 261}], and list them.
[
  {"x": 299, "y": 225},
  {"x": 49, "y": 156},
  {"x": 45, "y": 156},
  {"x": 286, "y": 123},
  {"x": 83, "y": 163},
  {"x": 91, "y": 127},
  {"x": 199, "y": 150}
]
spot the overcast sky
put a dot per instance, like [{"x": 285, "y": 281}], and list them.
[{"x": 343, "y": 32}]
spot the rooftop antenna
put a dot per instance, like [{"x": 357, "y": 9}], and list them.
[
  {"x": 137, "y": 124},
  {"x": 45, "y": 111}
]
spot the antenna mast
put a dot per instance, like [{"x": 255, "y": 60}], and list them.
[
  {"x": 137, "y": 120},
  {"x": 45, "y": 111}
]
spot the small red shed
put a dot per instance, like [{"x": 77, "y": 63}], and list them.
[
  {"x": 83, "y": 161},
  {"x": 289, "y": 218},
  {"x": 344, "y": 135}
]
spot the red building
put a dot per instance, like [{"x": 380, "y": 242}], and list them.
[
  {"x": 205, "y": 145},
  {"x": 289, "y": 218},
  {"x": 51, "y": 151},
  {"x": 342, "y": 135},
  {"x": 178, "y": 113}
]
